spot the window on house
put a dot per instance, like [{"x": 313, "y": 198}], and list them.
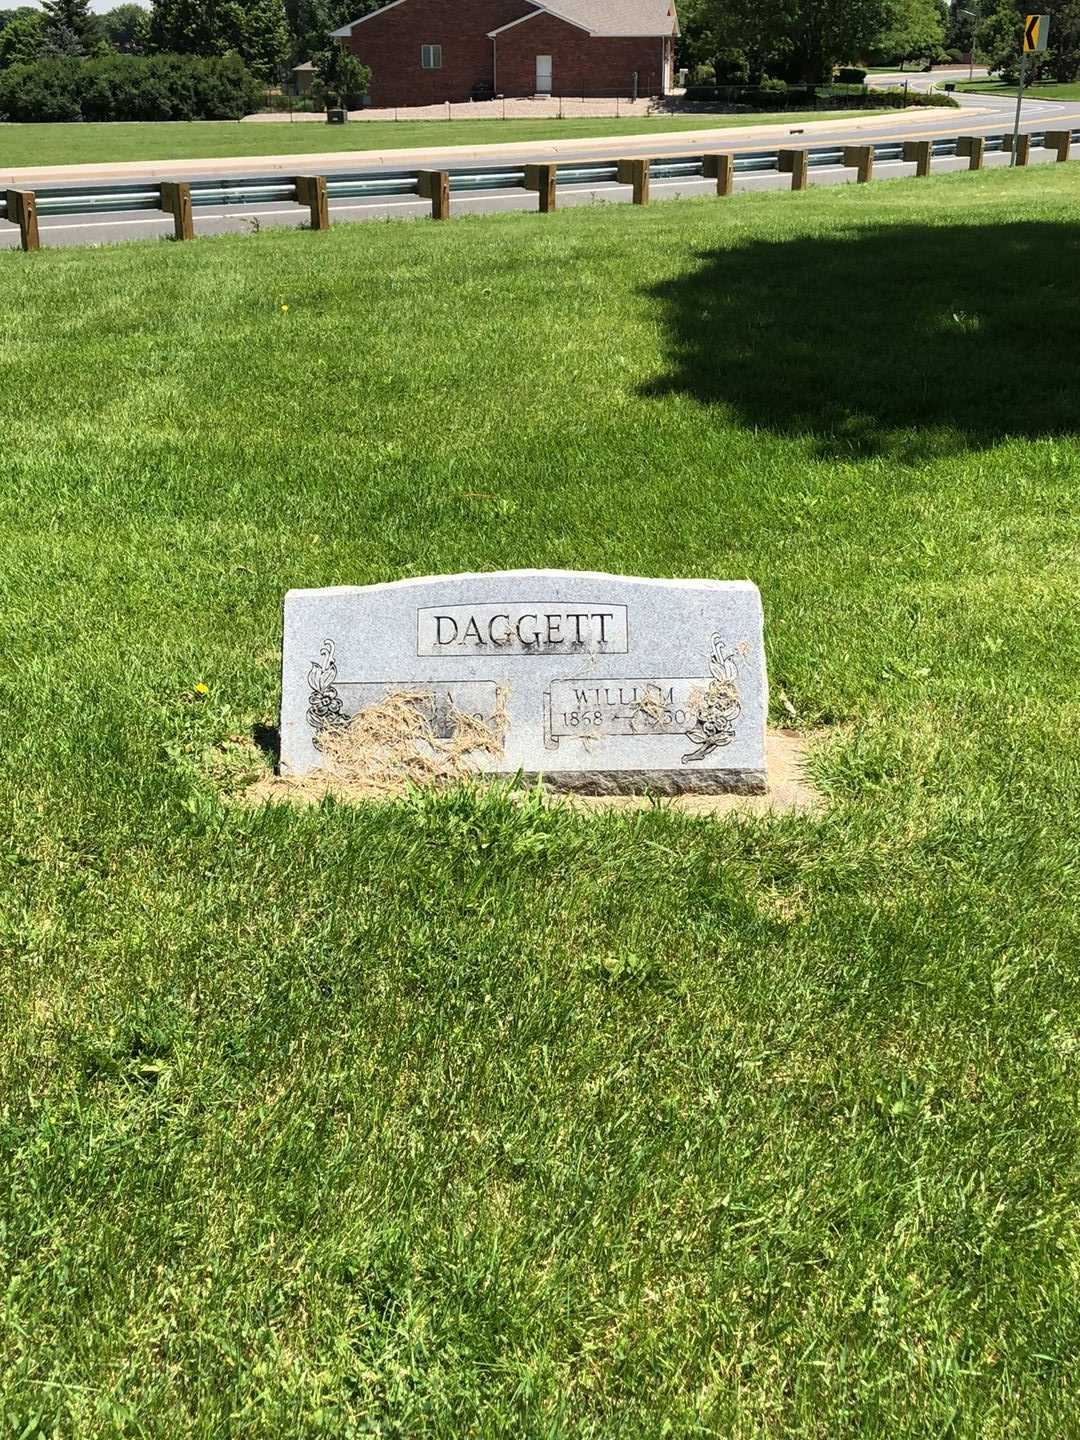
[{"x": 431, "y": 57}]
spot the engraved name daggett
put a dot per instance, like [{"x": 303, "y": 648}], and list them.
[{"x": 540, "y": 628}]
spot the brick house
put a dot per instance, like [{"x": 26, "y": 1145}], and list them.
[{"x": 424, "y": 52}]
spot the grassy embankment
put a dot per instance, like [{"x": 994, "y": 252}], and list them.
[
  {"x": 1031, "y": 92},
  {"x": 465, "y": 1118},
  {"x": 27, "y": 145}
]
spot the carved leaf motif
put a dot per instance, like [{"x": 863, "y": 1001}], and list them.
[{"x": 697, "y": 754}]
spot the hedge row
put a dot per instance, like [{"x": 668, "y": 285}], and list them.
[
  {"x": 808, "y": 97},
  {"x": 129, "y": 87}
]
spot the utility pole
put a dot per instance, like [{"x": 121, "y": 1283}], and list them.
[{"x": 976, "y": 16}]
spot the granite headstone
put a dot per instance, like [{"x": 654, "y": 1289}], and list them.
[{"x": 604, "y": 684}]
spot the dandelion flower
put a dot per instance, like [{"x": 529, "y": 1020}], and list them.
[{"x": 202, "y": 689}]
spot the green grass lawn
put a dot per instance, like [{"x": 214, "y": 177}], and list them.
[
  {"x": 24, "y": 145},
  {"x": 463, "y": 1117},
  {"x": 1031, "y": 92}
]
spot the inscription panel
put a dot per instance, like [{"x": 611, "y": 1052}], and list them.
[
  {"x": 623, "y": 707},
  {"x": 440, "y": 704},
  {"x": 530, "y": 628}
]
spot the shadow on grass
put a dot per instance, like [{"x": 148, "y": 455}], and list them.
[
  {"x": 268, "y": 740},
  {"x": 905, "y": 340}
]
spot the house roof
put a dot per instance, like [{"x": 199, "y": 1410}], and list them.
[
  {"x": 599, "y": 17},
  {"x": 615, "y": 17}
]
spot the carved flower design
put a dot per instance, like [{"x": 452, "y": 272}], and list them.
[
  {"x": 325, "y": 709},
  {"x": 718, "y": 706}
]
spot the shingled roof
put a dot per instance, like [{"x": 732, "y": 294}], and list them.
[
  {"x": 616, "y": 17},
  {"x": 599, "y": 17}
]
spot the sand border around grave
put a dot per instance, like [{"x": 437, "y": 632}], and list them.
[{"x": 789, "y": 788}]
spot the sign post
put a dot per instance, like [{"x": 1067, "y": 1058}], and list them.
[{"x": 1036, "y": 35}]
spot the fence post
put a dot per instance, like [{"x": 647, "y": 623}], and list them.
[
  {"x": 972, "y": 146},
  {"x": 311, "y": 191},
  {"x": 542, "y": 179},
  {"x": 720, "y": 168},
  {"x": 1058, "y": 140},
  {"x": 635, "y": 173},
  {"x": 918, "y": 151},
  {"x": 176, "y": 201},
  {"x": 793, "y": 163},
  {"x": 862, "y": 158},
  {"x": 1022, "y": 148},
  {"x": 434, "y": 185},
  {"x": 22, "y": 211}
]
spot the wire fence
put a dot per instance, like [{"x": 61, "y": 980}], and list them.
[{"x": 639, "y": 97}]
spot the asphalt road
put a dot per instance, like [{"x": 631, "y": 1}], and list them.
[{"x": 997, "y": 116}]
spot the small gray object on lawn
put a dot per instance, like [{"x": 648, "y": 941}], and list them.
[{"x": 609, "y": 684}]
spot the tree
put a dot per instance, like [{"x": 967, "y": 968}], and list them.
[
  {"x": 960, "y": 25},
  {"x": 760, "y": 31},
  {"x": 824, "y": 32},
  {"x": 253, "y": 29},
  {"x": 341, "y": 77},
  {"x": 311, "y": 22},
  {"x": 913, "y": 29},
  {"x": 259, "y": 35},
  {"x": 802, "y": 39},
  {"x": 999, "y": 40},
  {"x": 127, "y": 29},
  {"x": 22, "y": 38},
  {"x": 70, "y": 29},
  {"x": 695, "y": 42},
  {"x": 1065, "y": 40}
]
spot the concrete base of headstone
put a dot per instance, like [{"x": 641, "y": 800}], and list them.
[
  {"x": 652, "y": 782},
  {"x": 789, "y": 791}
]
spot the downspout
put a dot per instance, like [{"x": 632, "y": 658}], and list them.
[{"x": 494, "y": 66}]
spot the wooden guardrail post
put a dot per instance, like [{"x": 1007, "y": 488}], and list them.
[
  {"x": 720, "y": 168},
  {"x": 919, "y": 152},
  {"x": 434, "y": 185},
  {"x": 793, "y": 163},
  {"x": 1021, "y": 151},
  {"x": 635, "y": 173},
  {"x": 176, "y": 201},
  {"x": 541, "y": 178},
  {"x": 22, "y": 211},
  {"x": 973, "y": 147},
  {"x": 862, "y": 158},
  {"x": 311, "y": 191},
  {"x": 1058, "y": 140}
]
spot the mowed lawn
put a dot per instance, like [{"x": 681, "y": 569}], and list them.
[
  {"x": 84, "y": 144},
  {"x": 466, "y": 1117},
  {"x": 1049, "y": 91}
]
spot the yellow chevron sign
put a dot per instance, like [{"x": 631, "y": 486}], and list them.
[{"x": 1036, "y": 32}]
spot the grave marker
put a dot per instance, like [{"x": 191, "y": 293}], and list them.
[{"x": 604, "y": 684}]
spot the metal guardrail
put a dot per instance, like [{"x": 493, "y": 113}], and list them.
[{"x": 180, "y": 198}]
